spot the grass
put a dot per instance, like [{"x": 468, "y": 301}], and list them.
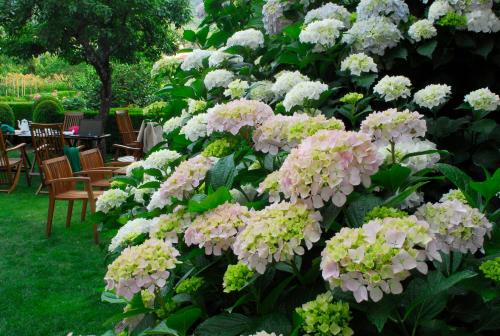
[{"x": 48, "y": 286}]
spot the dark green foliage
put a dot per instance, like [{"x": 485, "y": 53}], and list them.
[
  {"x": 48, "y": 111},
  {"x": 22, "y": 110},
  {"x": 44, "y": 99},
  {"x": 6, "y": 115}
]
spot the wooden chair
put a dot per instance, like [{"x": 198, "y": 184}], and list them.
[
  {"x": 63, "y": 186},
  {"x": 130, "y": 146},
  {"x": 72, "y": 119},
  {"x": 93, "y": 166},
  {"x": 10, "y": 168}
]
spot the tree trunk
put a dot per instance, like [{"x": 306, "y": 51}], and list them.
[{"x": 106, "y": 94}]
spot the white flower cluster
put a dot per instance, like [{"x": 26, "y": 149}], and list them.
[
  {"x": 132, "y": 166},
  {"x": 276, "y": 233},
  {"x": 286, "y": 80},
  {"x": 287, "y": 132},
  {"x": 274, "y": 19},
  {"x": 140, "y": 193},
  {"x": 483, "y": 21},
  {"x": 186, "y": 177},
  {"x": 483, "y": 99},
  {"x": 376, "y": 258},
  {"x": 261, "y": 91},
  {"x": 216, "y": 229},
  {"x": 393, "y": 87},
  {"x": 165, "y": 66},
  {"x": 233, "y": 116},
  {"x": 302, "y": 93},
  {"x": 433, "y": 95},
  {"x": 358, "y": 63},
  {"x": 196, "y": 127},
  {"x": 458, "y": 226},
  {"x": 438, "y": 9},
  {"x": 412, "y": 201},
  {"x": 218, "y": 78},
  {"x": 196, "y": 106},
  {"x": 111, "y": 199},
  {"x": 415, "y": 163},
  {"x": 218, "y": 57},
  {"x": 195, "y": 59},
  {"x": 394, "y": 126},
  {"x": 250, "y": 38},
  {"x": 161, "y": 159},
  {"x": 329, "y": 11},
  {"x": 373, "y": 35},
  {"x": 236, "y": 89},
  {"x": 175, "y": 122},
  {"x": 327, "y": 166},
  {"x": 422, "y": 30},
  {"x": 322, "y": 33},
  {"x": 395, "y": 10},
  {"x": 128, "y": 232},
  {"x": 168, "y": 226}
]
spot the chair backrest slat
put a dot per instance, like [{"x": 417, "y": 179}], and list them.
[
  {"x": 58, "y": 168},
  {"x": 48, "y": 141},
  {"x": 125, "y": 127},
  {"x": 91, "y": 159},
  {"x": 72, "y": 119},
  {"x": 5, "y": 176}
]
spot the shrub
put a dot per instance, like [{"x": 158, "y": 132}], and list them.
[
  {"x": 6, "y": 115},
  {"x": 45, "y": 98},
  {"x": 48, "y": 111},
  {"x": 74, "y": 103},
  {"x": 22, "y": 110}
]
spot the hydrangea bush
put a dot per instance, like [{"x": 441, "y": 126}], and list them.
[{"x": 303, "y": 187}]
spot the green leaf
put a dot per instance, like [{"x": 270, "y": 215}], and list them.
[
  {"x": 126, "y": 180},
  {"x": 357, "y": 210},
  {"x": 220, "y": 196},
  {"x": 288, "y": 58},
  {"x": 462, "y": 181},
  {"x": 427, "y": 48},
  {"x": 272, "y": 323},
  {"x": 397, "y": 199},
  {"x": 269, "y": 303},
  {"x": 162, "y": 329},
  {"x": 183, "y": 319},
  {"x": 111, "y": 298},
  {"x": 154, "y": 172},
  {"x": 150, "y": 185},
  {"x": 489, "y": 188},
  {"x": 224, "y": 325},
  {"x": 183, "y": 92},
  {"x": 222, "y": 173},
  {"x": 483, "y": 126},
  {"x": 189, "y": 35},
  {"x": 426, "y": 152},
  {"x": 378, "y": 313},
  {"x": 365, "y": 81},
  {"x": 391, "y": 177},
  {"x": 241, "y": 300},
  {"x": 202, "y": 34}
]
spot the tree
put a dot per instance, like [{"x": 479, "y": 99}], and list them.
[{"x": 94, "y": 31}]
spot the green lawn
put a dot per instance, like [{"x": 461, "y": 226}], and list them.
[{"x": 48, "y": 286}]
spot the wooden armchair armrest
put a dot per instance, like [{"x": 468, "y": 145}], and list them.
[
  {"x": 69, "y": 179},
  {"x": 19, "y": 147},
  {"x": 129, "y": 148},
  {"x": 93, "y": 172}
]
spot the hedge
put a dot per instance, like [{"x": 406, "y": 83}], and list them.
[
  {"x": 6, "y": 115},
  {"x": 22, "y": 110},
  {"x": 48, "y": 111}
]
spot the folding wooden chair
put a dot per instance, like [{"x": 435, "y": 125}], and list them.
[
  {"x": 72, "y": 119},
  {"x": 130, "y": 146},
  {"x": 10, "y": 167}
]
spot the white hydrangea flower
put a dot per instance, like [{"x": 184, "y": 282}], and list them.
[
  {"x": 274, "y": 19},
  {"x": 111, "y": 199},
  {"x": 322, "y": 33},
  {"x": 458, "y": 226},
  {"x": 438, "y": 9},
  {"x": 196, "y": 127},
  {"x": 265, "y": 333},
  {"x": 175, "y": 122},
  {"x": 140, "y": 193},
  {"x": 249, "y": 38},
  {"x": 396, "y": 10},
  {"x": 132, "y": 166},
  {"x": 200, "y": 10},
  {"x": 261, "y": 91},
  {"x": 286, "y": 80},
  {"x": 303, "y": 92},
  {"x": 168, "y": 226},
  {"x": 128, "y": 232},
  {"x": 483, "y": 21},
  {"x": 218, "y": 78},
  {"x": 373, "y": 35},
  {"x": 218, "y": 57},
  {"x": 422, "y": 30},
  {"x": 236, "y": 89},
  {"x": 196, "y": 106},
  {"x": 161, "y": 159},
  {"x": 165, "y": 66},
  {"x": 329, "y": 11},
  {"x": 358, "y": 64},
  {"x": 195, "y": 59},
  {"x": 414, "y": 200},
  {"x": 393, "y": 87},
  {"x": 394, "y": 126},
  {"x": 483, "y": 99},
  {"x": 415, "y": 163},
  {"x": 433, "y": 95}
]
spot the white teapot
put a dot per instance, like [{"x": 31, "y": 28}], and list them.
[{"x": 23, "y": 125}]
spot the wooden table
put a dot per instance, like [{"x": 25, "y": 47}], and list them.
[{"x": 98, "y": 141}]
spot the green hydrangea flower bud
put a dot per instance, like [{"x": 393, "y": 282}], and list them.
[
  {"x": 452, "y": 19},
  {"x": 220, "y": 148},
  {"x": 491, "y": 269},
  {"x": 351, "y": 98},
  {"x": 190, "y": 286},
  {"x": 384, "y": 212},
  {"x": 236, "y": 277},
  {"x": 323, "y": 317}
]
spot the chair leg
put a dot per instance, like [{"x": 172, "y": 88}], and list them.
[
  {"x": 92, "y": 210},
  {"x": 70, "y": 212},
  {"x": 84, "y": 210},
  {"x": 27, "y": 167},
  {"x": 16, "y": 178},
  {"x": 52, "y": 202}
]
